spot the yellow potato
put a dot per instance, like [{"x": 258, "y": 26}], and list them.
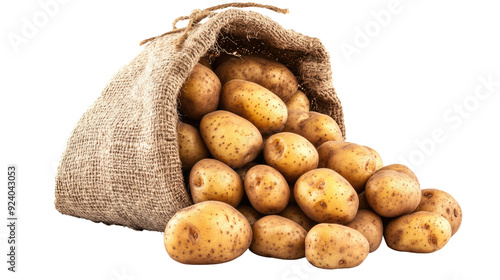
[
  {"x": 200, "y": 93},
  {"x": 295, "y": 118},
  {"x": 444, "y": 204},
  {"x": 378, "y": 159},
  {"x": 370, "y": 225},
  {"x": 191, "y": 146},
  {"x": 326, "y": 197},
  {"x": 211, "y": 179},
  {"x": 298, "y": 101},
  {"x": 294, "y": 213},
  {"x": 255, "y": 103},
  {"x": 230, "y": 138},
  {"x": 278, "y": 237},
  {"x": 207, "y": 233},
  {"x": 401, "y": 169},
  {"x": 291, "y": 154},
  {"x": 266, "y": 189},
  {"x": 250, "y": 213},
  {"x": 363, "y": 203},
  {"x": 335, "y": 246},
  {"x": 268, "y": 73},
  {"x": 354, "y": 162},
  {"x": 316, "y": 127},
  {"x": 419, "y": 232},
  {"x": 393, "y": 191}
]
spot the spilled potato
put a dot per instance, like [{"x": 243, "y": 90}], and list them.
[{"x": 207, "y": 233}]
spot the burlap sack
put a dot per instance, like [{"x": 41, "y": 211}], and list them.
[{"x": 121, "y": 164}]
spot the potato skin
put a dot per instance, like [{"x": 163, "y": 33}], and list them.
[
  {"x": 442, "y": 203},
  {"x": 335, "y": 246},
  {"x": 230, "y": 138},
  {"x": 250, "y": 213},
  {"x": 326, "y": 197},
  {"x": 316, "y": 127},
  {"x": 207, "y": 233},
  {"x": 363, "y": 203},
  {"x": 295, "y": 118},
  {"x": 291, "y": 154},
  {"x": 354, "y": 162},
  {"x": 278, "y": 237},
  {"x": 299, "y": 102},
  {"x": 268, "y": 73},
  {"x": 401, "y": 169},
  {"x": 191, "y": 146},
  {"x": 419, "y": 232},
  {"x": 370, "y": 225},
  {"x": 393, "y": 191},
  {"x": 294, "y": 213},
  {"x": 200, "y": 93},
  {"x": 255, "y": 103},
  {"x": 211, "y": 179},
  {"x": 266, "y": 189},
  {"x": 378, "y": 159}
]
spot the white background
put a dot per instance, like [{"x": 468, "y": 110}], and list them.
[{"x": 404, "y": 84}]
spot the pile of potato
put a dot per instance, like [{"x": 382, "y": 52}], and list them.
[{"x": 267, "y": 174}]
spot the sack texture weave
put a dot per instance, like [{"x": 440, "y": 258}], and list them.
[{"x": 121, "y": 164}]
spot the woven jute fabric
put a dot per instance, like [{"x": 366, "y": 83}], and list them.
[{"x": 121, "y": 164}]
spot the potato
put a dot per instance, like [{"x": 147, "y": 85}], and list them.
[
  {"x": 250, "y": 213},
  {"x": 268, "y": 73},
  {"x": 278, "y": 237},
  {"x": 354, "y": 162},
  {"x": 370, "y": 225},
  {"x": 211, "y": 179},
  {"x": 255, "y": 103},
  {"x": 393, "y": 191},
  {"x": 315, "y": 127},
  {"x": 200, "y": 93},
  {"x": 266, "y": 189},
  {"x": 326, "y": 197},
  {"x": 363, "y": 203},
  {"x": 378, "y": 159},
  {"x": 295, "y": 118},
  {"x": 298, "y": 101},
  {"x": 442, "y": 203},
  {"x": 230, "y": 138},
  {"x": 419, "y": 232},
  {"x": 207, "y": 233},
  {"x": 191, "y": 146},
  {"x": 401, "y": 169},
  {"x": 242, "y": 171},
  {"x": 205, "y": 61},
  {"x": 294, "y": 213},
  {"x": 335, "y": 246},
  {"x": 291, "y": 154}
]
